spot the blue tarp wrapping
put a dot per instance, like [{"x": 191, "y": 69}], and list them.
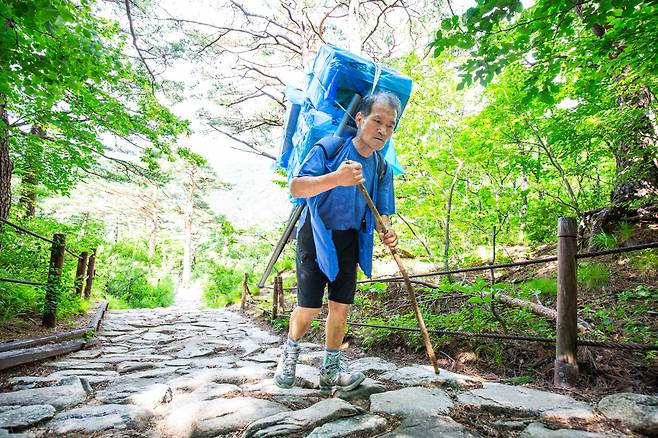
[
  {"x": 338, "y": 74},
  {"x": 317, "y": 111}
]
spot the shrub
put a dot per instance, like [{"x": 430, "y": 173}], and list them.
[
  {"x": 223, "y": 286},
  {"x": 131, "y": 279}
]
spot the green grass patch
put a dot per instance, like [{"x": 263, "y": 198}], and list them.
[
  {"x": 539, "y": 286},
  {"x": 593, "y": 276},
  {"x": 646, "y": 261}
]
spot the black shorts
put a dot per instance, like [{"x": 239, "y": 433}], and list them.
[{"x": 311, "y": 280}]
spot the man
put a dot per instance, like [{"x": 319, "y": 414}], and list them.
[{"x": 336, "y": 233}]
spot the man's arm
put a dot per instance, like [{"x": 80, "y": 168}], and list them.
[{"x": 348, "y": 174}]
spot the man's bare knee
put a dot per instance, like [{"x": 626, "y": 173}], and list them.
[{"x": 339, "y": 310}]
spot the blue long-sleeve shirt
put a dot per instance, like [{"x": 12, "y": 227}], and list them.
[{"x": 344, "y": 208}]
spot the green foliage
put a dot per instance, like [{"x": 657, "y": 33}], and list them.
[
  {"x": 593, "y": 276},
  {"x": 646, "y": 261},
  {"x": 567, "y": 102},
  {"x": 377, "y": 287},
  {"x": 604, "y": 240},
  {"x": 25, "y": 257},
  {"x": 640, "y": 292},
  {"x": 538, "y": 286},
  {"x": 63, "y": 70},
  {"x": 624, "y": 232},
  {"x": 519, "y": 380},
  {"x": 223, "y": 287},
  {"x": 131, "y": 279},
  {"x": 280, "y": 325}
]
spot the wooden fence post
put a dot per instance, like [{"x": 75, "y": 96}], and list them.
[
  {"x": 281, "y": 302},
  {"x": 566, "y": 350},
  {"x": 54, "y": 280},
  {"x": 80, "y": 273},
  {"x": 245, "y": 291},
  {"x": 90, "y": 273},
  {"x": 275, "y": 299}
]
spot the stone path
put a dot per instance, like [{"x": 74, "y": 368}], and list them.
[{"x": 189, "y": 373}]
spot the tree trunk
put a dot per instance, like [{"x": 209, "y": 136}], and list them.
[
  {"x": 153, "y": 239},
  {"x": 187, "y": 243},
  {"x": 30, "y": 178},
  {"x": 6, "y": 166},
  {"x": 636, "y": 159},
  {"x": 446, "y": 245}
]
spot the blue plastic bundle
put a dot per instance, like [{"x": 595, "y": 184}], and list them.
[
  {"x": 317, "y": 111},
  {"x": 338, "y": 74}
]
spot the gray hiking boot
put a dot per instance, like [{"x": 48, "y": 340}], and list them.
[
  {"x": 284, "y": 376},
  {"x": 336, "y": 374}
]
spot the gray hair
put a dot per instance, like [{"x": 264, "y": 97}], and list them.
[{"x": 389, "y": 99}]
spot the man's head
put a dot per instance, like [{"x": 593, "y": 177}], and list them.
[{"x": 376, "y": 119}]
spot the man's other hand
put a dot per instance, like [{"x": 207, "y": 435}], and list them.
[{"x": 389, "y": 239}]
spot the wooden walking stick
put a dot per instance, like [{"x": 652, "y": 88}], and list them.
[{"x": 407, "y": 283}]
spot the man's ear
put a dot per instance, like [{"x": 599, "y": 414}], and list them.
[{"x": 358, "y": 119}]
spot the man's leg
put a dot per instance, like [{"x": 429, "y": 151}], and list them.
[
  {"x": 300, "y": 321},
  {"x": 336, "y": 324},
  {"x": 333, "y": 372},
  {"x": 310, "y": 289}
]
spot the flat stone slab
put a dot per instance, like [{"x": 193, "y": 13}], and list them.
[
  {"x": 639, "y": 412},
  {"x": 151, "y": 396},
  {"x": 361, "y": 392},
  {"x": 269, "y": 387},
  {"x": 91, "y": 376},
  {"x": 234, "y": 376},
  {"x": 425, "y": 375},
  {"x": 538, "y": 430},
  {"x": 301, "y": 420},
  {"x": 121, "y": 390},
  {"x": 85, "y": 354},
  {"x": 372, "y": 365},
  {"x": 80, "y": 365},
  {"x": 347, "y": 427},
  {"x": 25, "y": 416},
  {"x": 312, "y": 358},
  {"x": 213, "y": 390},
  {"x": 98, "y": 418},
  {"x": 131, "y": 366},
  {"x": 307, "y": 377},
  {"x": 219, "y": 416},
  {"x": 425, "y": 426},
  {"x": 5, "y": 434},
  {"x": 411, "y": 401},
  {"x": 518, "y": 400},
  {"x": 67, "y": 392}
]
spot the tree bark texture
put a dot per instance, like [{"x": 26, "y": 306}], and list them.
[
  {"x": 6, "y": 165},
  {"x": 187, "y": 244},
  {"x": 636, "y": 158},
  {"x": 30, "y": 177}
]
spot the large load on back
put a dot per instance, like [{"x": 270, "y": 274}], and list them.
[
  {"x": 323, "y": 108},
  {"x": 326, "y": 107}
]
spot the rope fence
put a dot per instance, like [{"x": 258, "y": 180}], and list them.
[
  {"x": 567, "y": 323},
  {"x": 84, "y": 276}
]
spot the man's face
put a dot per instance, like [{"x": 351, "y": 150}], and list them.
[{"x": 375, "y": 130}]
